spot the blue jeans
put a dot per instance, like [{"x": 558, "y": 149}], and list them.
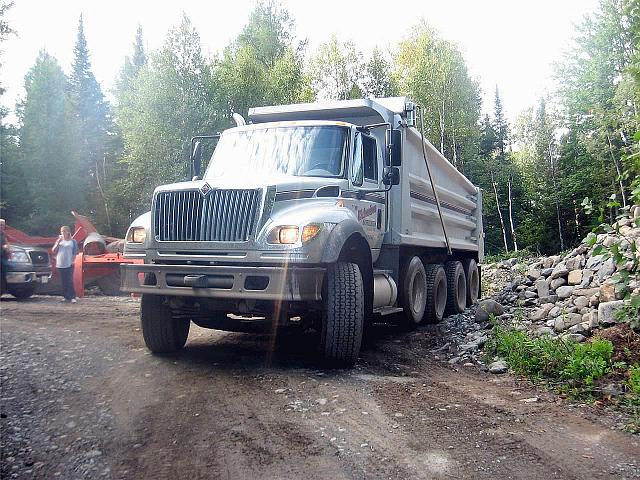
[{"x": 66, "y": 276}]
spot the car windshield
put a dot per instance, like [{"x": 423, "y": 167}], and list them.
[{"x": 315, "y": 151}]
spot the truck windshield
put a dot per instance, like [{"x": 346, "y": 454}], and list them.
[{"x": 315, "y": 151}]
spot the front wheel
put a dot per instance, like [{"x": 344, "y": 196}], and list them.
[
  {"x": 162, "y": 333},
  {"x": 22, "y": 292},
  {"x": 342, "y": 315}
]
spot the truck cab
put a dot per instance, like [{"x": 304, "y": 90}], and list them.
[{"x": 290, "y": 223}]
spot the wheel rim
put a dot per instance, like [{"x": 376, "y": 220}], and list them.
[
  {"x": 461, "y": 293},
  {"x": 441, "y": 296},
  {"x": 417, "y": 293}
]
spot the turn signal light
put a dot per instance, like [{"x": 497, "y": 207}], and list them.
[{"x": 310, "y": 231}]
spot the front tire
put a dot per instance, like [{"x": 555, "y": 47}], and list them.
[
  {"x": 342, "y": 315},
  {"x": 23, "y": 292},
  {"x": 162, "y": 333}
]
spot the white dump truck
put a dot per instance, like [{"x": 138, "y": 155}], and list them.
[{"x": 327, "y": 215}]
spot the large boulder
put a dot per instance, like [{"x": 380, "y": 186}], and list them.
[
  {"x": 607, "y": 311},
  {"x": 486, "y": 308}
]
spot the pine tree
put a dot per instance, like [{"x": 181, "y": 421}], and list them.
[
  {"x": 132, "y": 65},
  {"x": 91, "y": 115},
  {"x": 500, "y": 126},
  {"x": 47, "y": 148}
]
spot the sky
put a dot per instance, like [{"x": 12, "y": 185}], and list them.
[{"x": 510, "y": 44}]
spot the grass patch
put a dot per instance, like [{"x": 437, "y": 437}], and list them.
[{"x": 579, "y": 370}]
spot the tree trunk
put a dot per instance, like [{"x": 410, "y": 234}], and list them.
[
  {"x": 504, "y": 232},
  {"x": 555, "y": 190},
  {"x": 442, "y": 129},
  {"x": 513, "y": 230},
  {"x": 617, "y": 164}
]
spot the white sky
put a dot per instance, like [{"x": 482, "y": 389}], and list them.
[{"x": 508, "y": 43}]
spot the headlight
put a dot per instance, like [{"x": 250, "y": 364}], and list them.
[
  {"x": 290, "y": 234},
  {"x": 137, "y": 235},
  {"x": 18, "y": 256}
]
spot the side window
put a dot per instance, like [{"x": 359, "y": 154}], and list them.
[
  {"x": 356, "y": 164},
  {"x": 370, "y": 158}
]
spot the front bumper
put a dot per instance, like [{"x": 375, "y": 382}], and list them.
[
  {"x": 281, "y": 283},
  {"x": 25, "y": 278}
]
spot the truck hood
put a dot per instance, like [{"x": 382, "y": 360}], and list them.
[{"x": 281, "y": 182}]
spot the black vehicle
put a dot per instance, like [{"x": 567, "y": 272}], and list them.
[{"x": 23, "y": 269}]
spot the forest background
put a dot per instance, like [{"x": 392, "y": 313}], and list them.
[{"x": 565, "y": 165}]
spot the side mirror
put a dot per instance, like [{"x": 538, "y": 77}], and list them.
[
  {"x": 196, "y": 159},
  {"x": 391, "y": 176},
  {"x": 395, "y": 148}
]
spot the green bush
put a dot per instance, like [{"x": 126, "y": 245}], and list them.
[
  {"x": 554, "y": 359},
  {"x": 634, "y": 378}
]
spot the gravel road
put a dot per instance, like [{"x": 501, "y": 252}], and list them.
[{"x": 82, "y": 398}]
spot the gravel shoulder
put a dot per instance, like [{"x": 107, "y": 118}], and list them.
[{"x": 82, "y": 398}]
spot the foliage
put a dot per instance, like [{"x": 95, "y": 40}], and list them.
[
  {"x": 544, "y": 357},
  {"x": 433, "y": 72},
  {"x": 634, "y": 378},
  {"x": 47, "y": 145},
  {"x": 336, "y": 71}
]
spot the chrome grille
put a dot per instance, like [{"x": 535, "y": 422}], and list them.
[{"x": 220, "y": 216}]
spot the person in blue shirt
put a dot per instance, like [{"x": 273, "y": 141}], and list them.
[{"x": 66, "y": 249}]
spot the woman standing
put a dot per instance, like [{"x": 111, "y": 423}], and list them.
[{"x": 65, "y": 249}]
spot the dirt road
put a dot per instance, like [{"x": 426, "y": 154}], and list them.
[{"x": 82, "y": 398}]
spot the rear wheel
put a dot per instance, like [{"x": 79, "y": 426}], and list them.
[
  {"x": 342, "y": 315},
  {"x": 413, "y": 296},
  {"x": 22, "y": 292},
  {"x": 436, "y": 293},
  {"x": 473, "y": 280},
  {"x": 162, "y": 333},
  {"x": 456, "y": 288}
]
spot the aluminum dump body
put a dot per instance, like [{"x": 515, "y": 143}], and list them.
[{"x": 413, "y": 214}]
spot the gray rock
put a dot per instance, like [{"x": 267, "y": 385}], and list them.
[
  {"x": 565, "y": 321},
  {"x": 540, "y": 331},
  {"x": 564, "y": 292},
  {"x": 486, "y": 308},
  {"x": 558, "y": 282},
  {"x": 607, "y": 310},
  {"x": 612, "y": 390},
  {"x": 574, "y": 337},
  {"x": 533, "y": 273},
  {"x": 587, "y": 276},
  {"x": 591, "y": 318},
  {"x": 560, "y": 270},
  {"x": 555, "y": 311},
  {"x": 499, "y": 366},
  {"x": 581, "y": 302},
  {"x": 594, "y": 261},
  {"x": 528, "y": 294},
  {"x": 542, "y": 288},
  {"x": 546, "y": 272},
  {"x": 542, "y": 312},
  {"x": 586, "y": 292},
  {"x": 606, "y": 270}
]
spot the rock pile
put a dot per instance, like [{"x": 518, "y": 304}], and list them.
[{"x": 573, "y": 294}]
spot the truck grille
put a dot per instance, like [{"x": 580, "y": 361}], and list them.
[
  {"x": 220, "y": 216},
  {"x": 39, "y": 258}
]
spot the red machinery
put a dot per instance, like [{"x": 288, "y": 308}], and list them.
[{"x": 97, "y": 263}]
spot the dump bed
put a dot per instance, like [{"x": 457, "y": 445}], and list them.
[{"x": 413, "y": 214}]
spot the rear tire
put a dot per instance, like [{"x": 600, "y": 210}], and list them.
[
  {"x": 436, "y": 293},
  {"x": 342, "y": 315},
  {"x": 413, "y": 296},
  {"x": 22, "y": 293},
  {"x": 162, "y": 333},
  {"x": 456, "y": 288},
  {"x": 473, "y": 280}
]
